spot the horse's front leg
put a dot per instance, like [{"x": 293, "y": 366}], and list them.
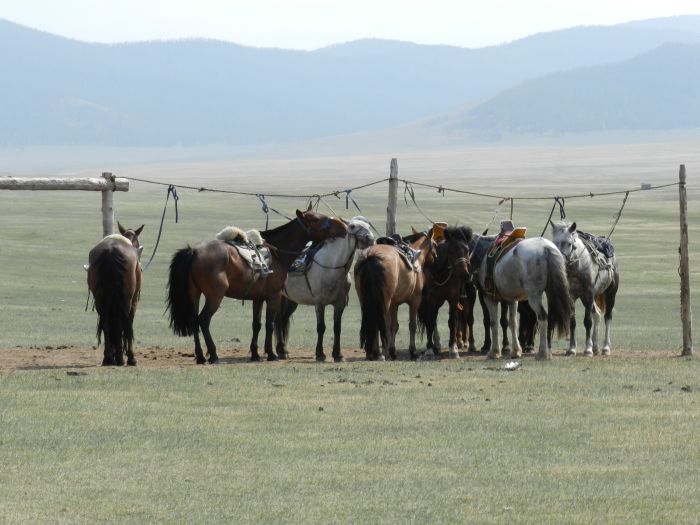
[
  {"x": 487, "y": 323},
  {"x": 596, "y": 315},
  {"x": 517, "y": 351},
  {"x": 337, "y": 318},
  {"x": 572, "y": 329},
  {"x": 287, "y": 308},
  {"x": 412, "y": 324},
  {"x": 320, "y": 330},
  {"x": 257, "y": 313},
  {"x": 589, "y": 312},
  {"x": 545, "y": 351},
  {"x": 452, "y": 323},
  {"x": 492, "y": 307},
  {"x": 273, "y": 306},
  {"x": 503, "y": 321}
]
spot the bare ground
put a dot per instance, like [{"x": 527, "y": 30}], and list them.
[{"x": 161, "y": 358}]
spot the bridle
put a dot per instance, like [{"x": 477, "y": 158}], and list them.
[{"x": 452, "y": 265}]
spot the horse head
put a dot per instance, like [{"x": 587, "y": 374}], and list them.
[
  {"x": 318, "y": 226},
  {"x": 425, "y": 243},
  {"x": 359, "y": 228},
  {"x": 457, "y": 241},
  {"x": 133, "y": 236},
  {"x": 564, "y": 237}
]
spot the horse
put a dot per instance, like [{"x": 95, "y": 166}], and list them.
[
  {"x": 384, "y": 279},
  {"x": 532, "y": 267},
  {"x": 114, "y": 279},
  {"x": 445, "y": 281},
  {"x": 593, "y": 278},
  {"x": 324, "y": 281},
  {"x": 216, "y": 270}
]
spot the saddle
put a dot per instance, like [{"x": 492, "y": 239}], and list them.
[
  {"x": 301, "y": 263},
  {"x": 408, "y": 254},
  {"x": 504, "y": 242},
  {"x": 250, "y": 246}
]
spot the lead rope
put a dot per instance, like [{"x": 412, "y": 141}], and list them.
[{"x": 173, "y": 191}]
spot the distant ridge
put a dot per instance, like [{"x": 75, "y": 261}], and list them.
[{"x": 57, "y": 91}]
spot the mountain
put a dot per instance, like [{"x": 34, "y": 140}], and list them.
[
  {"x": 658, "y": 90},
  {"x": 58, "y": 91}
]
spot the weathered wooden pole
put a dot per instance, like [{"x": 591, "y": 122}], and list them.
[
  {"x": 393, "y": 191},
  {"x": 686, "y": 309},
  {"x": 108, "y": 207}
]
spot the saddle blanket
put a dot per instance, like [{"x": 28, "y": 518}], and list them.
[
  {"x": 603, "y": 245},
  {"x": 249, "y": 246}
]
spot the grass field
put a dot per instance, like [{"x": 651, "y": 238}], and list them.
[{"x": 568, "y": 441}]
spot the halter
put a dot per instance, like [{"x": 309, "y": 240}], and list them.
[{"x": 325, "y": 227}]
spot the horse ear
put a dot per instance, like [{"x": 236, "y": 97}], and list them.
[
  {"x": 485, "y": 232},
  {"x": 572, "y": 228},
  {"x": 300, "y": 214},
  {"x": 414, "y": 231},
  {"x": 139, "y": 230},
  {"x": 122, "y": 230},
  {"x": 311, "y": 207}
]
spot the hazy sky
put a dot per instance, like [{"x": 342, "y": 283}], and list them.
[{"x": 309, "y": 24}]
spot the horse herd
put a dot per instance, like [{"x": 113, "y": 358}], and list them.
[{"x": 308, "y": 261}]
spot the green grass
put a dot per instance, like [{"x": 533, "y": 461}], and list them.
[{"x": 568, "y": 441}]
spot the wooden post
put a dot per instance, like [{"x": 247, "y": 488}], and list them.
[
  {"x": 686, "y": 309},
  {"x": 107, "y": 208},
  {"x": 393, "y": 190}
]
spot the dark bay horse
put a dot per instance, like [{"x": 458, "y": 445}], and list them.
[
  {"x": 114, "y": 279},
  {"x": 383, "y": 281},
  {"x": 446, "y": 280},
  {"x": 216, "y": 270}
]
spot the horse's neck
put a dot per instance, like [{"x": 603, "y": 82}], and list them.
[
  {"x": 336, "y": 252},
  {"x": 289, "y": 241}
]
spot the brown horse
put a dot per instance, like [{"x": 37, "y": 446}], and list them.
[
  {"x": 383, "y": 281},
  {"x": 446, "y": 281},
  {"x": 216, "y": 270},
  {"x": 114, "y": 278}
]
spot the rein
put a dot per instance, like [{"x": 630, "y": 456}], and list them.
[{"x": 450, "y": 267}]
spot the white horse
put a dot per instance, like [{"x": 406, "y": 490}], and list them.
[
  {"x": 593, "y": 278},
  {"x": 326, "y": 281},
  {"x": 533, "y": 267}
]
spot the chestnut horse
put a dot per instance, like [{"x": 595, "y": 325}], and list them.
[
  {"x": 114, "y": 278},
  {"x": 216, "y": 270},
  {"x": 383, "y": 281}
]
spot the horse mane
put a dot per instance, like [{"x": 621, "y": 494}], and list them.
[{"x": 463, "y": 233}]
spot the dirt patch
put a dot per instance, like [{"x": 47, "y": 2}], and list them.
[{"x": 164, "y": 358}]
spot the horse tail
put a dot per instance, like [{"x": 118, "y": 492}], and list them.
[
  {"x": 557, "y": 290},
  {"x": 372, "y": 279},
  {"x": 111, "y": 299},
  {"x": 183, "y": 312}
]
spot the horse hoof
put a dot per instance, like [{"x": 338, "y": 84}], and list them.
[
  {"x": 588, "y": 352},
  {"x": 255, "y": 358},
  {"x": 131, "y": 362},
  {"x": 283, "y": 355},
  {"x": 201, "y": 361},
  {"x": 213, "y": 360},
  {"x": 494, "y": 355},
  {"x": 339, "y": 359},
  {"x": 606, "y": 351},
  {"x": 321, "y": 358},
  {"x": 571, "y": 353},
  {"x": 272, "y": 357},
  {"x": 428, "y": 355},
  {"x": 543, "y": 356}
]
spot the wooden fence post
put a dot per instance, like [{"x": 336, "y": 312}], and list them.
[
  {"x": 393, "y": 190},
  {"x": 107, "y": 208},
  {"x": 686, "y": 309}
]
